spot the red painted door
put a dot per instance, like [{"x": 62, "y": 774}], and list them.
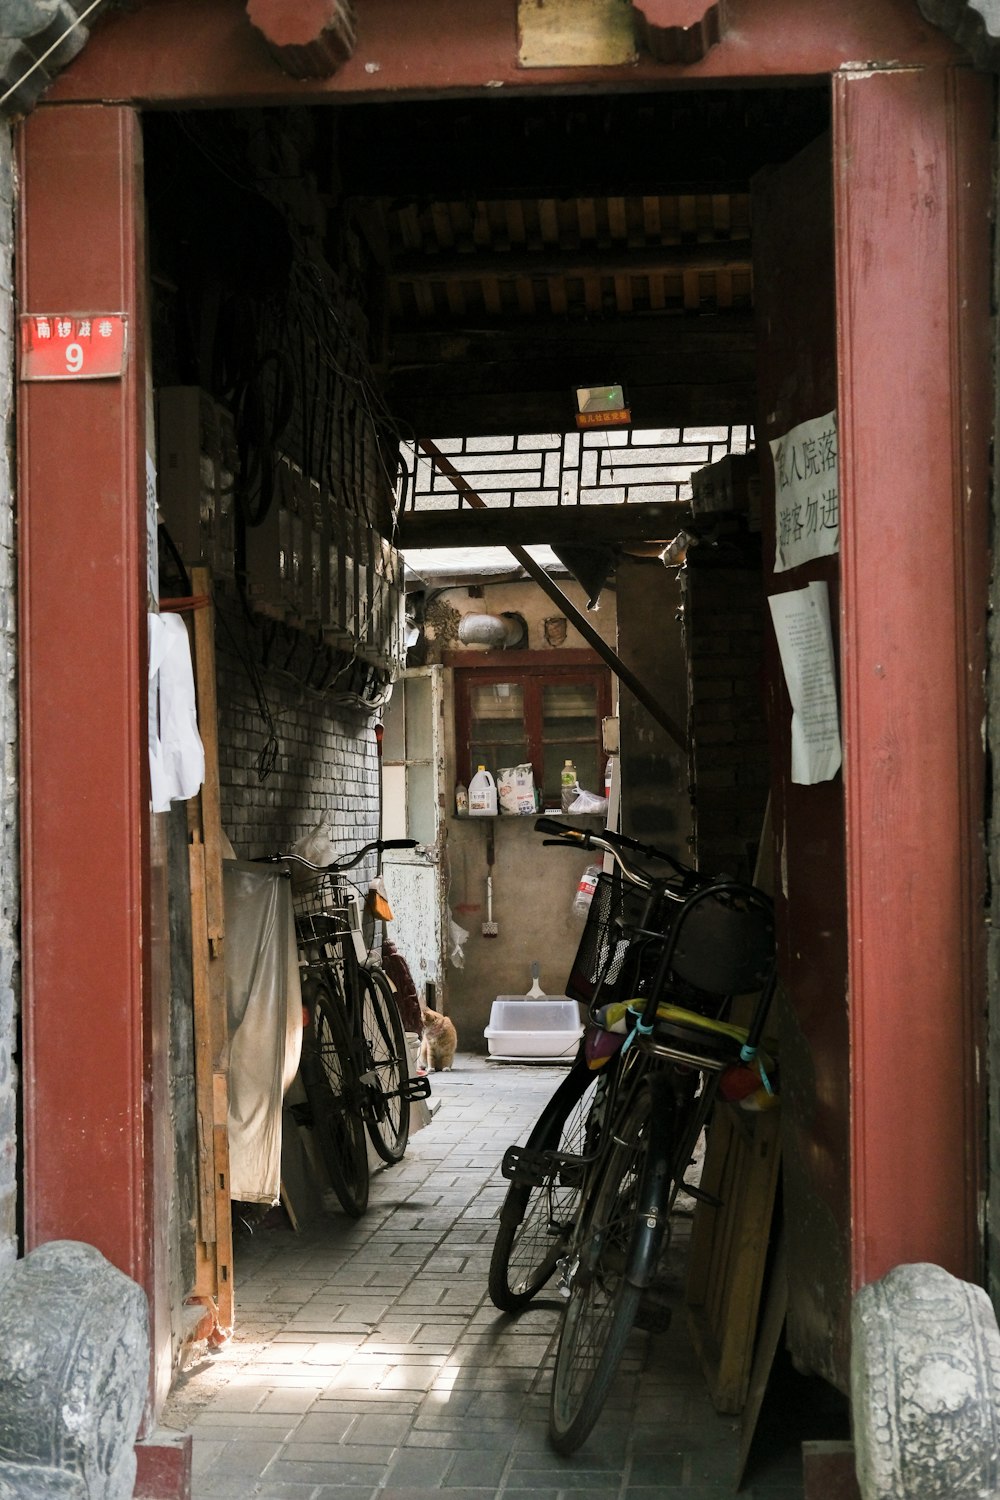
[
  {"x": 84, "y": 786},
  {"x": 797, "y": 382},
  {"x": 872, "y": 291}
]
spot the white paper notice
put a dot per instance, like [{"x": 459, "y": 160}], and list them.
[
  {"x": 806, "y": 493},
  {"x": 802, "y": 626}
]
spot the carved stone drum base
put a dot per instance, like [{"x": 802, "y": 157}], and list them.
[
  {"x": 73, "y": 1376},
  {"x": 925, "y": 1388}
]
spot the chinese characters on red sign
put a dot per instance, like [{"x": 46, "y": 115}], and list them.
[
  {"x": 72, "y": 346},
  {"x": 603, "y": 418}
]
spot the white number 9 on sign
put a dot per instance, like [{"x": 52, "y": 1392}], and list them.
[{"x": 74, "y": 358}]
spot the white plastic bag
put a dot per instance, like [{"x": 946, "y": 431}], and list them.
[
  {"x": 316, "y": 846},
  {"x": 457, "y": 937},
  {"x": 586, "y": 802}
]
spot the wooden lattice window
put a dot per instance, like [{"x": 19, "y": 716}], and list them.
[{"x": 513, "y": 707}]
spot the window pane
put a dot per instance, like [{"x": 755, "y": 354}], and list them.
[
  {"x": 419, "y": 719},
  {"x": 421, "y": 804},
  {"x": 497, "y": 735},
  {"x": 569, "y": 732}
]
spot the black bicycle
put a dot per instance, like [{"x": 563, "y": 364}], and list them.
[
  {"x": 355, "y": 1064},
  {"x": 612, "y": 961},
  {"x": 674, "y": 1039}
]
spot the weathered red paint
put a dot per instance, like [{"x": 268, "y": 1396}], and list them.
[
  {"x": 795, "y": 316},
  {"x": 163, "y": 1469},
  {"x": 674, "y": 32},
  {"x": 84, "y": 801},
  {"x": 913, "y": 288},
  {"x": 168, "y": 51},
  {"x": 912, "y": 247},
  {"x": 309, "y": 39}
]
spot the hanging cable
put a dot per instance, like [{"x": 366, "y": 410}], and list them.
[{"x": 49, "y": 51}]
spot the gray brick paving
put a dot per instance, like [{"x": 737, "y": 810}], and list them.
[{"x": 370, "y": 1364}]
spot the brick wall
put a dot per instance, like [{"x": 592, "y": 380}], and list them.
[
  {"x": 295, "y": 696},
  {"x": 8, "y": 730},
  {"x": 724, "y": 621},
  {"x": 323, "y": 751}
]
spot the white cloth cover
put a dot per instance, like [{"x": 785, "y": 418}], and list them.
[
  {"x": 264, "y": 1003},
  {"x": 176, "y": 753}
]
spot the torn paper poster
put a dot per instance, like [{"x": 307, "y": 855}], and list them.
[
  {"x": 802, "y": 626},
  {"x": 806, "y": 493}
]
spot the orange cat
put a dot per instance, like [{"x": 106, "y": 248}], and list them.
[{"x": 437, "y": 1042}]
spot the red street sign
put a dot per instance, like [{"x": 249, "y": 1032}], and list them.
[
  {"x": 73, "y": 346},
  {"x": 604, "y": 418}
]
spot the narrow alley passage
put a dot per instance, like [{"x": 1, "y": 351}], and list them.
[{"x": 369, "y": 1360}]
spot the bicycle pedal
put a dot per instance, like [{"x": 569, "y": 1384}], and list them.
[
  {"x": 700, "y": 1195},
  {"x": 526, "y": 1167},
  {"x": 415, "y": 1089}
]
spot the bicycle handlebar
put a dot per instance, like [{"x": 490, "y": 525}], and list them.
[
  {"x": 565, "y": 833},
  {"x": 613, "y": 843},
  {"x": 584, "y": 839},
  {"x": 344, "y": 863}
]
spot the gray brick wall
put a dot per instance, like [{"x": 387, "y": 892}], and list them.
[
  {"x": 8, "y": 730},
  {"x": 325, "y": 761}
]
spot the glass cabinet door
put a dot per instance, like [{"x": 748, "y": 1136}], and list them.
[
  {"x": 497, "y": 734},
  {"x": 569, "y": 716}
]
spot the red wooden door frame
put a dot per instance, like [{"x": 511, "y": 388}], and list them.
[
  {"x": 912, "y": 264},
  {"x": 913, "y": 289},
  {"x": 84, "y": 788}
]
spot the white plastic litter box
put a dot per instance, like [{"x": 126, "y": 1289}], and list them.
[{"x": 523, "y": 1030}]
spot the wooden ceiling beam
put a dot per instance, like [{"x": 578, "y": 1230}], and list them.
[
  {"x": 664, "y": 335},
  {"x": 542, "y": 525},
  {"x": 677, "y": 372},
  {"x": 551, "y": 260},
  {"x": 501, "y": 413}
]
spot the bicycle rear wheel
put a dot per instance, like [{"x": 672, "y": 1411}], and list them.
[
  {"x": 330, "y": 1078},
  {"x": 386, "y": 1066},
  {"x": 536, "y": 1221},
  {"x": 632, "y": 1185}
]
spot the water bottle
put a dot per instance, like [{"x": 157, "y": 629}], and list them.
[
  {"x": 585, "y": 890},
  {"x": 568, "y": 784}
]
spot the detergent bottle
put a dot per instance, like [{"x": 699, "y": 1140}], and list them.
[{"x": 482, "y": 795}]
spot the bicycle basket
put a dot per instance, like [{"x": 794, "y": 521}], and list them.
[
  {"x": 609, "y": 956},
  {"x": 319, "y": 903}
]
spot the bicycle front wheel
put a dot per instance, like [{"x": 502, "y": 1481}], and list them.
[
  {"x": 386, "y": 1066},
  {"x": 633, "y": 1182},
  {"x": 536, "y": 1221},
  {"x": 330, "y": 1078}
]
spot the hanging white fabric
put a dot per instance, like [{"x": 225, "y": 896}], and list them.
[
  {"x": 264, "y": 1006},
  {"x": 176, "y": 753}
]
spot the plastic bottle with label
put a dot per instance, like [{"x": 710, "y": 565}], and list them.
[
  {"x": 567, "y": 782},
  {"x": 482, "y": 795},
  {"x": 461, "y": 799},
  {"x": 585, "y": 890}
]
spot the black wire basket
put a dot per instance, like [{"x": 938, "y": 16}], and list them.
[
  {"x": 612, "y": 960},
  {"x": 322, "y": 923}
]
